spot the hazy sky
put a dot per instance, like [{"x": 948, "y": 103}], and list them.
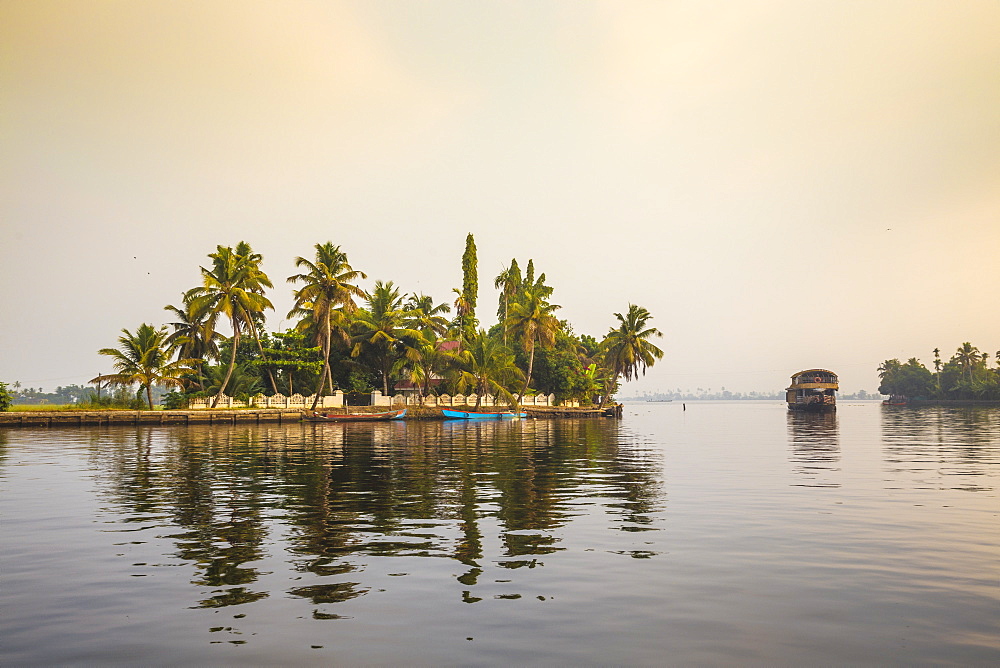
[{"x": 784, "y": 185}]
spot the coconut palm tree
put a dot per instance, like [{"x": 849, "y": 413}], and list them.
[
  {"x": 194, "y": 335},
  {"x": 626, "y": 350},
  {"x": 327, "y": 297},
  {"x": 486, "y": 366},
  {"x": 464, "y": 312},
  {"x": 968, "y": 357},
  {"x": 256, "y": 281},
  {"x": 233, "y": 287},
  {"x": 144, "y": 358},
  {"x": 382, "y": 331},
  {"x": 508, "y": 282},
  {"x": 531, "y": 322},
  {"x": 424, "y": 315}
]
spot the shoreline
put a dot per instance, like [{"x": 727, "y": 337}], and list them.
[{"x": 89, "y": 418}]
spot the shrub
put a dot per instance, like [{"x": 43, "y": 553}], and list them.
[{"x": 122, "y": 397}]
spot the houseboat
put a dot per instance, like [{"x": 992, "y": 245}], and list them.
[{"x": 812, "y": 390}]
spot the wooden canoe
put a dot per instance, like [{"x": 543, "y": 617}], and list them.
[{"x": 356, "y": 417}]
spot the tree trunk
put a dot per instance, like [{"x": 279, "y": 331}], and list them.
[
  {"x": 326, "y": 364},
  {"x": 260, "y": 349},
  {"x": 149, "y": 395},
  {"x": 232, "y": 362},
  {"x": 527, "y": 378}
]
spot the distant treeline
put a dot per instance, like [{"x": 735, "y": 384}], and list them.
[
  {"x": 725, "y": 395},
  {"x": 967, "y": 375},
  {"x": 76, "y": 395}
]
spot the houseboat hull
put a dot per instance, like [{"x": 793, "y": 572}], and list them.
[{"x": 813, "y": 391}]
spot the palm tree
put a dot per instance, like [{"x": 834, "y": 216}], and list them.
[
  {"x": 382, "y": 330},
  {"x": 627, "y": 350},
  {"x": 423, "y": 314},
  {"x": 937, "y": 370},
  {"x": 532, "y": 323},
  {"x": 508, "y": 282},
  {"x": 256, "y": 281},
  {"x": 486, "y": 366},
  {"x": 232, "y": 287},
  {"x": 194, "y": 335},
  {"x": 144, "y": 358},
  {"x": 967, "y": 356},
  {"x": 242, "y": 384},
  {"x": 327, "y": 295},
  {"x": 463, "y": 313}
]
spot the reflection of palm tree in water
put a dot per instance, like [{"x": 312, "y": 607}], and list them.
[
  {"x": 470, "y": 547},
  {"x": 539, "y": 466},
  {"x": 952, "y": 435},
  {"x": 204, "y": 494},
  {"x": 220, "y": 505},
  {"x": 815, "y": 445}
]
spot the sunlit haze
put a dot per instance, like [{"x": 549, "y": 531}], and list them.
[{"x": 784, "y": 185}]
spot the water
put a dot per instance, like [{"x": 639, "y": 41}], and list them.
[{"x": 729, "y": 533}]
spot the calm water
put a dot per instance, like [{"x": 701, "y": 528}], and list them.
[{"x": 730, "y": 533}]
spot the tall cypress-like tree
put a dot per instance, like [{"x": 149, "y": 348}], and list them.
[{"x": 470, "y": 286}]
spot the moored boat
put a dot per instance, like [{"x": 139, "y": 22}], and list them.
[
  {"x": 356, "y": 417},
  {"x": 813, "y": 390},
  {"x": 896, "y": 400},
  {"x": 471, "y": 415}
]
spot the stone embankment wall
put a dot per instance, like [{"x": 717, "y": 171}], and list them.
[
  {"x": 81, "y": 418},
  {"x": 336, "y": 400}
]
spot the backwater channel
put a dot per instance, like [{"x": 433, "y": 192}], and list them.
[{"x": 729, "y": 533}]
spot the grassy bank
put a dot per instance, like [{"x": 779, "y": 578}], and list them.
[{"x": 42, "y": 408}]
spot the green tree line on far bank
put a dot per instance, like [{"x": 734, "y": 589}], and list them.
[
  {"x": 342, "y": 337},
  {"x": 966, "y": 375}
]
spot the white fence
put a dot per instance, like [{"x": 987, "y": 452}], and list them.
[{"x": 336, "y": 400}]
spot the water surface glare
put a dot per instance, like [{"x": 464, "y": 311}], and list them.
[{"x": 725, "y": 534}]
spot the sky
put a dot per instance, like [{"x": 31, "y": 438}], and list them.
[{"x": 784, "y": 185}]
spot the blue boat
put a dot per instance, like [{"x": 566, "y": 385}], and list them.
[{"x": 466, "y": 415}]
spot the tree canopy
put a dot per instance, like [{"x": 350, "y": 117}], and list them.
[
  {"x": 345, "y": 337},
  {"x": 966, "y": 375}
]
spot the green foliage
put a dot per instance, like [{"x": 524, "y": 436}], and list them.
[
  {"x": 175, "y": 400},
  {"x": 530, "y": 322},
  {"x": 121, "y": 397},
  {"x": 470, "y": 274},
  {"x": 965, "y": 376},
  {"x": 294, "y": 363},
  {"x": 465, "y": 305},
  {"x": 559, "y": 371},
  {"x": 626, "y": 351},
  {"x": 68, "y": 395},
  {"x": 486, "y": 367},
  {"x": 234, "y": 288},
  {"x": 326, "y": 299},
  {"x": 911, "y": 379},
  {"x": 383, "y": 335},
  {"x": 508, "y": 282},
  {"x": 333, "y": 343},
  {"x": 5, "y": 399},
  {"x": 242, "y": 383},
  {"x": 144, "y": 359}
]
